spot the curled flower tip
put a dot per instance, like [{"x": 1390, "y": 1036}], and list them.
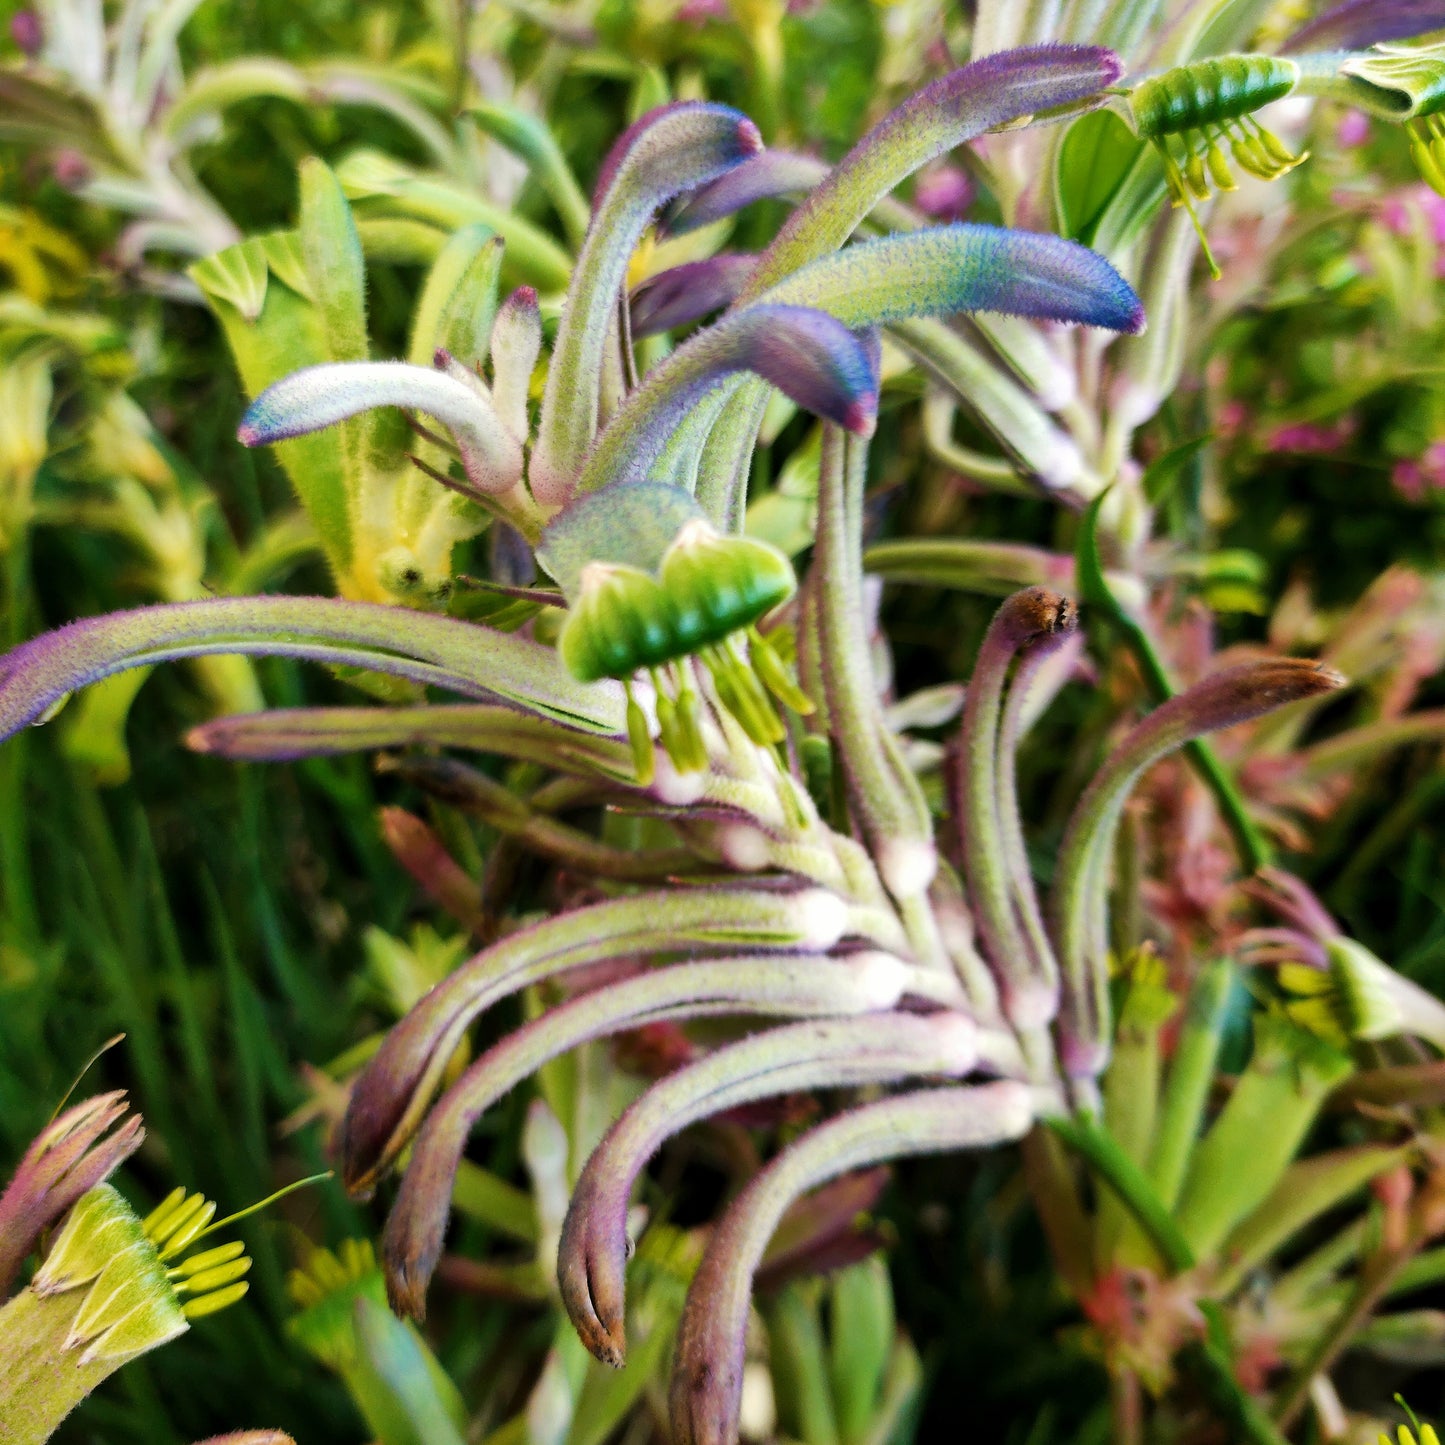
[
  {"x": 416, "y": 1226},
  {"x": 320, "y": 396},
  {"x": 707, "y": 1380},
  {"x": 728, "y": 134},
  {"x": 1241, "y": 694},
  {"x": 1036, "y": 614},
  {"x": 688, "y": 292},
  {"x": 861, "y": 415},
  {"x": 832, "y": 1053},
  {"x": 593, "y": 1294}
]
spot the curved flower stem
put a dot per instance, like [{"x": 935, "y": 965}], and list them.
[
  {"x": 392, "y": 1094},
  {"x": 476, "y": 795},
  {"x": 282, "y": 734},
  {"x": 1080, "y": 896},
  {"x": 471, "y": 660},
  {"x": 883, "y": 794},
  {"x": 994, "y": 859},
  {"x": 842, "y": 1053},
  {"x": 707, "y": 1382},
  {"x": 806, "y": 985},
  {"x": 1254, "y": 849},
  {"x": 664, "y": 153}
]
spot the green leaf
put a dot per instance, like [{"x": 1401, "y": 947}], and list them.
[
  {"x": 237, "y": 275},
  {"x": 382, "y": 188},
  {"x": 459, "y": 299},
  {"x": 533, "y": 141},
  {"x": 406, "y": 1396},
  {"x": 861, "y": 1342},
  {"x": 285, "y": 334},
  {"x": 1096, "y": 155},
  {"x": 335, "y": 267},
  {"x": 1409, "y": 79},
  {"x": 1089, "y": 578},
  {"x": 1164, "y": 473}
]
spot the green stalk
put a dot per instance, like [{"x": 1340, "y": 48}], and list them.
[
  {"x": 41, "y": 1381},
  {"x": 1129, "y": 1182},
  {"x": 1190, "y": 1074},
  {"x": 1243, "y": 1157},
  {"x": 1131, "y": 1096},
  {"x": 882, "y": 792}
]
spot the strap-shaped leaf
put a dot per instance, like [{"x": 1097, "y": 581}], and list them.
[
  {"x": 531, "y": 139},
  {"x": 459, "y": 299},
  {"x": 259, "y": 292}
]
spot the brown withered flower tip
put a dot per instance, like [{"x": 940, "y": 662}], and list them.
[{"x": 1036, "y": 613}]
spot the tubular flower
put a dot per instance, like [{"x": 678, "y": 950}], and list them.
[{"x": 112, "y": 1287}]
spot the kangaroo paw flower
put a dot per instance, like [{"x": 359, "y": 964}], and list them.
[
  {"x": 707, "y": 1378},
  {"x": 840, "y": 1054}
]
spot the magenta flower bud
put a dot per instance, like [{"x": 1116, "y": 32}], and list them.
[
  {"x": 944, "y": 192},
  {"x": 27, "y": 32}
]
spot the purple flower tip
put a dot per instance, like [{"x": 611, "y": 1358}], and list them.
[
  {"x": 248, "y": 433},
  {"x": 26, "y": 32},
  {"x": 861, "y": 415}
]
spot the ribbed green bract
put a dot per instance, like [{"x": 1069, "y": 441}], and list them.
[
  {"x": 1190, "y": 97},
  {"x": 708, "y": 587}
]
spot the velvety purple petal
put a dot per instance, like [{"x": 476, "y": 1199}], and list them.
[{"x": 1358, "y": 24}]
